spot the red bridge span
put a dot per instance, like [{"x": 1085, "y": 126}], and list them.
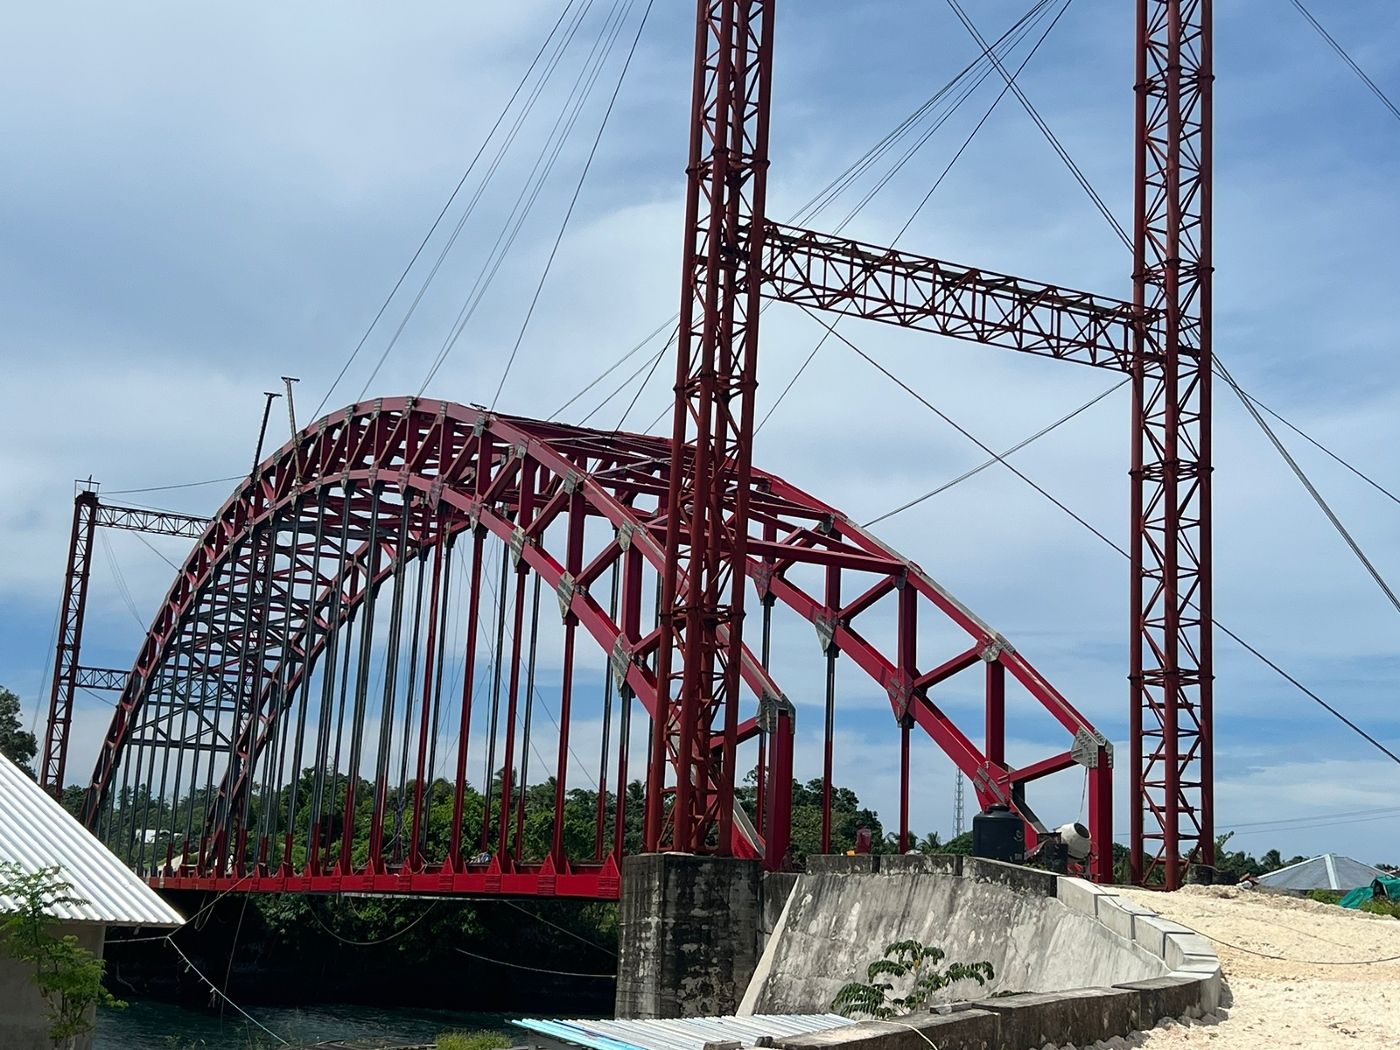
[{"x": 381, "y": 615}]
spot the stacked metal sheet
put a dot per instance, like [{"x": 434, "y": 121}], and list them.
[{"x": 688, "y": 1033}]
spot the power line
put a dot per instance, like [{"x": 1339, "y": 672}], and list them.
[
  {"x": 1050, "y": 136},
  {"x": 995, "y": 459},
  {"x": 1304, "y": 480},
  {"x": 1342, "y": 54},
  {"x": 1106, "y": 540},
  {"x": 441, "y": 214},
  {"x": 573, "y": 201}
]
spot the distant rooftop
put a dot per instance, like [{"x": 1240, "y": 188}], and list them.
[
  {"x": 1330, "y": 871},
  {"x": 36, "y": 832}
]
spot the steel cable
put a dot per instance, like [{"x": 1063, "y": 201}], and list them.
[
  {"x": 1341, "y": 52},
  {"x": 1109, "y": 542},
  {"x": 1306, "y": 482},
  {"x": 441, "y": 214},
  {"x": 532, "y": 187},
  {"x": 573, "y": 201},
  {"x": 1050, "y": 136}
]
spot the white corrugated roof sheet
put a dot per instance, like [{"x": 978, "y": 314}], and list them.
[
  {"x": 688, "y": 1033},
  {"x": 36, "y": 832},
  {"x": 1330, "y": 871}
]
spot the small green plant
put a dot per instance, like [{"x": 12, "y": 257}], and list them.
[
  {"x": 471, "y": 1041},
  {"x": 904, "y": 960},
  {"x": 1326, "y": 896},
  {"x": 1382, "y": 906},
  {"x": 68, "y": 976}
]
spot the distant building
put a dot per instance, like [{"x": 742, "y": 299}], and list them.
[
  {"x": 36, "y": 832},
  {"x": 1330, "y": 871}
]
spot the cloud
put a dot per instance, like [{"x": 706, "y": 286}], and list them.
[{"x": 206, "y": 203}]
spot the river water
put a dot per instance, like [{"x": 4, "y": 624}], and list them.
[{"x": 150, "y": 1025}]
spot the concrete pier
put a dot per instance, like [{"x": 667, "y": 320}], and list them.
[{"x": 690, "y": 934}]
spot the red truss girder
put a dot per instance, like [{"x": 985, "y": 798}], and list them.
[
  {"x": 913, "y": 291},
  {"x": 256, "y": 603}
]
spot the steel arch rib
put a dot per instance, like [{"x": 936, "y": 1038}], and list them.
[{"x": 460, "y": 463}]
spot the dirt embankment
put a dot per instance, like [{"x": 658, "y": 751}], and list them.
[{"x": 1323, "y": 989}]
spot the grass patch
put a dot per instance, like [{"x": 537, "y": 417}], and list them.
[
  {"x": 483, "y": 1040},
  {"x": 1382, "y": 906},
  {"x": 1326, "y": 896}
]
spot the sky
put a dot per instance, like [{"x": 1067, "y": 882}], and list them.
[{"x": 200, "y": 201}]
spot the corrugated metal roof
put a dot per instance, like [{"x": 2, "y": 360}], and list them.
[
  {"x": 688, "y": 1033},
  {"x": 1330, "y": 871},
  {"x": 36, "y": 832}
]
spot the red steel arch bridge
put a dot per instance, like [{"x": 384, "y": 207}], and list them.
[{"x": 339, "y": 692}]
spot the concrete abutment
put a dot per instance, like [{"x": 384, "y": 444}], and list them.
[{"x": 689, "y": 936}]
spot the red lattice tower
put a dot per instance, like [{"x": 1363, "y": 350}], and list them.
[
  {"x": 733, "y": 256},
  {"x": 1173, "y": 766}
]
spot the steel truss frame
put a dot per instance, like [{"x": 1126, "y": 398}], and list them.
[
  {"x": 90, "y": 514},
  {"x": 734, "y": 255},
  {"x": 332, "y": 519}
]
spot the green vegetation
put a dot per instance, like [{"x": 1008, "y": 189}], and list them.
[
  {"x": 16, "y": 744},
  {"x": 1326, "y": 896},
  {"x": 918, "y": 963},
  {"x": 68, "y": 976},
  {"x": 848, "y": 816},
  {"x": 484, "y": 1040},
  {"x": 1382, "y": 906}
]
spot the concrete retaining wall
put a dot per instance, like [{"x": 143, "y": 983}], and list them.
[
  {"x": 1084, "y": 963},
  {"x": 689, "y": 934}
]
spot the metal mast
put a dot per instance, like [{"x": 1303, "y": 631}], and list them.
[
  {"x": 90, "y": 514},
  {"x": 702, "y": 599},
  {"x": 1171, "y": 673}
]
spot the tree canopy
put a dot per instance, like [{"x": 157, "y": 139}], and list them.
[{"x": 16, "y": 744}]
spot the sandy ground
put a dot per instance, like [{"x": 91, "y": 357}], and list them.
[{"x": 1306, "y": 1001}]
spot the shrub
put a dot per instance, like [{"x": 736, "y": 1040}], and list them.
[
  {"x": 483, "y": 1040},
  {"x": 68, "y": 976},
  {"x": 1382, "y": 906},
  {"x": 1326, "y": 896},
  {"x": 904, "y": 959}
]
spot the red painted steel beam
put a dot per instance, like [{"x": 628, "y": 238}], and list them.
[
  {"x": 827, "y": 272},
  {"x": 708, "y": 492},
  {"x": 70, "y": 640},
  {"x": 1172, "y": 675}
]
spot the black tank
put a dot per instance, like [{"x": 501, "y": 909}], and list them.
[{"x": 999, "y": 834}]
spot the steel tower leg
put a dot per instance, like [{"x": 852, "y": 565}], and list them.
[
  {"x": 70, "y": 640},
  {"x": 1171, "y": 672},
  {"x": 712, "y": 435}
]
